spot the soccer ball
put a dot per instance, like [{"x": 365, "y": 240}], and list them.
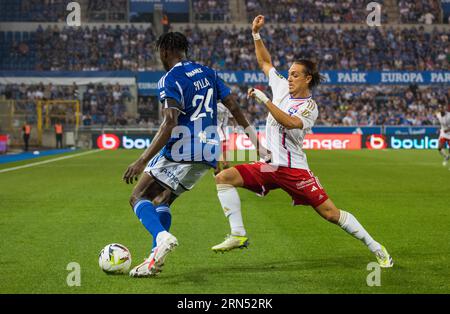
[{"x": 114, "y": 258}]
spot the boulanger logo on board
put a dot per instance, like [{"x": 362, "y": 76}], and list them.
[
  {"x": 332, "y": 141},
  {"x": 113, "y": 141},
  {"x": 376, "y": 141},
  {"x": 413, "y": 142},
  {"x": 311, "y": 141}
]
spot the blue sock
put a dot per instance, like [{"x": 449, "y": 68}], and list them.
[
  {"x": 165, "y": 218},
  {"x": 146, "y": 212}
]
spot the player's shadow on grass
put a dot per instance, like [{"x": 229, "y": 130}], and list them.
[{"x": 202, "y": 274}]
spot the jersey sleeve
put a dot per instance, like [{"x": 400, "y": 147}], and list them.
[
  {"x": 222, "y": 89},
  {"x": 308, "y": 115},
  {"x": 279, "y": 85},
  {"x": 170, "y": 88}
]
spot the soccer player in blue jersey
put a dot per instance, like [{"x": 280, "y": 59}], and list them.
[{"x": 185, "y": 147}]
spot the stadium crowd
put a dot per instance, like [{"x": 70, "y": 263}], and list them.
[
  {"x": 364, "y": 105},
  {"x": 93, "y": 49},
  {"x": 100, "y": 104},
  {"x": 211, "y": 10},
  {"x": 422, "y": 11},
  {"x": 310, "y": 11},
  {"x": 56, "y": 10},
  {"x": 333, "y": 48},
  {"x": 338, "y": 105},
  {"x": 230, "y": 48}
]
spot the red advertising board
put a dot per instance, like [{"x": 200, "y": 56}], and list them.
[
  {"x": 332, "y": 141},
  {"x": 3, "y": 143},
  {"x": 311, "y": 141}
]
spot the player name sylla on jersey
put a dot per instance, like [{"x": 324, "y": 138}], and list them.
[{"x": 200, "y": 84}]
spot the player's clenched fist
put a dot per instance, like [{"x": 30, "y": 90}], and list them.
[
  {"x": 258, "y": 95},
  {"x": 258, "y": 23}
]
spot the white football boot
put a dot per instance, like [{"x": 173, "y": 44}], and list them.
[
  {"x": 231, "y": 242},
  {"x": 165, "y": 243}
]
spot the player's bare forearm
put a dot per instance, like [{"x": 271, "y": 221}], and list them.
[
  {"x": 161, "y": 138},
  {"x": 263, "y": 57},
  {"x": 289, "y": 122},
  {"x": 262, "y": 54},
  {"x": 170, "y": 120}
]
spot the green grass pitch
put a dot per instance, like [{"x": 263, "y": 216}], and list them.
[{"x": 66, "y": 211}]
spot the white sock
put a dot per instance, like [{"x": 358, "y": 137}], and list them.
[
  {"x": 231, "y": 205},
  {"x": 349, "y": 223}
]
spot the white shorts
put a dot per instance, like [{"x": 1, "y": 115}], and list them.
[{"x": 179, "y": 177}]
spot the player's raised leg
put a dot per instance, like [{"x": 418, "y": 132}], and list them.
[
  {"x": 226, "y": 183},
  {"x": 351, "y": 225}
]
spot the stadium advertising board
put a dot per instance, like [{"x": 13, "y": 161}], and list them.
[
  {"x": 311, "y": 141},
  {"x": 346, "y": 130},
  {"x": 239, "y": 141},
  {"x": 332, "y": 141},
  {"x": 378, "y": 141},
  {"x": 115, "y": 141},
  {"x": 3, "y": 143},
  {"x": 413, "y": 142},
  {"x": 375, "y": 141},
  {"x": 148, "y": 81},
  {"x": 411, "y": 130},
  {"x": 170, "y": 6}
]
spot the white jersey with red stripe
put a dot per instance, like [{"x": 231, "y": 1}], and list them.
[
  {"x": 444, "y": 121},
  {"x": 223, "y": 115},
  {"x": 286, "y": 145}
]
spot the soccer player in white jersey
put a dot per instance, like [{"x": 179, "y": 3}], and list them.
[
  {"x": 292, "y": 113},
  {"x": 223, "y": 117},
  {"x": 444, "y": 136}
]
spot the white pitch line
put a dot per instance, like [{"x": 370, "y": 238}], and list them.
[{"x": 49, "y": 161}]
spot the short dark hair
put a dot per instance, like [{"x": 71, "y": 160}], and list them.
[
  {"x": 311, "y": 69},
  {"x": 173, "y": 41}
]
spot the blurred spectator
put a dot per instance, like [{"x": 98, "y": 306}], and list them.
[
  {"x": 56, "y": 10},
  {"x": 108, "y": 10},
  {"x": 231, "y": 48},
  {"x": 211, "y": 10},
  {"x": 103, "y": 48},
  {"x": 165, "y": 23},
  {"x": 334, "y": 48},
  {"x": 310, "y": 11},
  {"x": 423, "y": 11},
  {"x": 338, "y": 105},
  {"x": 100, "y": 104}
]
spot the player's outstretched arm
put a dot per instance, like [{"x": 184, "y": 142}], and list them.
[
  {"x": 262, "y": 55},
  {"x": 170, "y": 120},
  {"x": 232, "y": 105},
  {"x": 286, "y": 120}
]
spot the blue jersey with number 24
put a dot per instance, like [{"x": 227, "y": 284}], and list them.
[{"x": 195, "y": 89}]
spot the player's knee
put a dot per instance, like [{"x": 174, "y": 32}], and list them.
[
  {"x": 224, "y": 177},
  {"x": 330, "y": 215},
  {"x": 134, "y": 198}
]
